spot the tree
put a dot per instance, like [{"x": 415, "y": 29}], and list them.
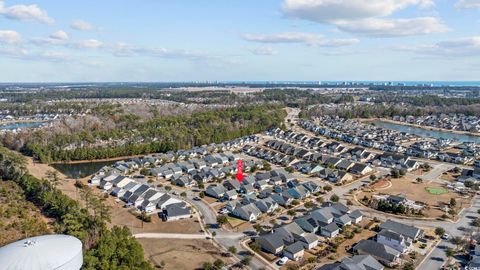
[
  {"x": 52, "y": 177},
  {"x": 408, "y": 266},
  {"x": 373, "y": 177},
  {"x": 168, "y": 188},
  {"x": 327, "y": 188},
  {"x": 419, "y": 180},
  {"x": 476, "y": 222},
  {"x": 267, "y": 166},
  {"x": 214, "y": 234},
  {"x": 439, "y": 231},
  {"x": 218, "y": 264},
  {"x": 255, "y": 247},
  {"x": 201, "y": 185},
  {"x": 246, "y": 260},
  {"x": 222, "y": 220},
  {"x": 449, "y": 252},
  {"x": 202, "y": 195},
  {"x": 453, "y": 202},
  {"x": 334, "y": 198},
  {"x": 232, "y": 249},
  {"x": 291, "y": 213},
  {"x": 257, "y": 227},
  {"x": 395, "y": 173},
  {"x": 183, "y": 194},
  {"x": 144, "y": 217},
  {"x": 207, "y": 266}
]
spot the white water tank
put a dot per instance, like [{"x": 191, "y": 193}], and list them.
[{"x": 47, "y": 252}]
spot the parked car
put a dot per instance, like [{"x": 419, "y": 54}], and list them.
[
  {"x": 282, "y": 261},
  {"x": 445, "y": 236}
]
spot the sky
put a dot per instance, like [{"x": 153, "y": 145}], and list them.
[{"x": 231, "y": 40}]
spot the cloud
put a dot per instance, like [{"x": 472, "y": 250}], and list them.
[
  {"x": 82, "y": 25},
  {"x": 25, "y": 13},
  {"x": 56, "y": 38},
  {"x": 125, "y": 49},
  {"x": 365, "y": 17},
  {"x": 394, "y": 27},
  {"x": 62, "y": 35},
  {"x": 461, "y": 47},
  {"x": 467, "y": 4},
  {"x": 10, "y": 37},
  {"x": 263, "y": 51},
  {"x": 330, "y": 11},
  {"x": 87, "y": 44},
  {"x": 298, "y": 37}
]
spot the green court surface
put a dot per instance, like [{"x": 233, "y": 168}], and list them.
[{"x": 436, "y": 190}]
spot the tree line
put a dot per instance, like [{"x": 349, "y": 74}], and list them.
[
  {"x": 103, "y": 248},
  {"x": 159, "y": 134}
]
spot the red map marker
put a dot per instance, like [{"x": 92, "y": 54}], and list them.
[{"x": 239, "y": 171}]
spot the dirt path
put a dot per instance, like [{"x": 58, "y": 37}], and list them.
[{"x": 39, "y": 170}]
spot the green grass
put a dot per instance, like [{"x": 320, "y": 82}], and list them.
[{"x": 436, "y": 190}]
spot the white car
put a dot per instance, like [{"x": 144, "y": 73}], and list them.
[
  {"x": 445, "y": 236},
  {"x": 282, "y": 261}
]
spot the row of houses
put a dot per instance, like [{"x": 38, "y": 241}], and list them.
[
  {"x": 261, "y": 194},
  {"x": 452, "y": 121},
  {"x": 199, "y": 152},
  {"x": 392, "y": 240},
  {"x": 392, "y": 143},
  {"x": 303, "y": 233},
  {"x": 144, "y": 197}
]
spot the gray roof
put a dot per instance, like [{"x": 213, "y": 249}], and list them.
[
  {"x": 332, "y": 227},
  {"x": 357, "y": 262},
  {"x": 377, "y": 250},
  {"x": 403, "y": 229},
  {"x": 273, "y": 239},
  {"x": 294, "y": 248},
  {"x": 390, "y": 234},
  {"x": 355, "y": 214},
  {"x": 174, "y": 210}
]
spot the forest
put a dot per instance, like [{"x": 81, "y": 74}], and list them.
[
  {"x": 129, "y": 135},
  {"x": 387, "y": 110},
  {"x": 103, "y": 248}
]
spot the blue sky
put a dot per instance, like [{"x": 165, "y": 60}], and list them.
[{"x": 190, "y": 40}]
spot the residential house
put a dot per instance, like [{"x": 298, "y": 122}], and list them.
[
  {"x": 406, "y": 230},
  {"x": 166, "y": 200},
  {"x": 216, "y": 191},
  {"x": 176, "y": 211},
  {"x": 357, "y": 262},
  {"x": 294, "y": 251},
  {"x": 395, "y": 240},
  {"x": 382, "y": 253},
  {"x": 247, "y": 212}
]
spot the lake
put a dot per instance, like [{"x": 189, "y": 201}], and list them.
[
  {"x": 20, "y": 125},
  {"x": 423, "y": 132},
  {"x": 81, "y": 170}
]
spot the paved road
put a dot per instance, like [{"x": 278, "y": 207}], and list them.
[
  {"x": 437, "y": 258},
  {"x": 222, "y": 235},
  {"x": 171, "y": 235}
]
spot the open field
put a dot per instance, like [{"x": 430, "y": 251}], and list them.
[
  {"x": 432, "y": 194},
  {"x": 436, "y": 190},
  {"x": 179, "y": 254}
]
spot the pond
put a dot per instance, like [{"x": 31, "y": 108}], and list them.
[
  {"x": 81, "y": 170},
  {"x": 20, "y": 125},
  {"x": 425, "y": 132}
]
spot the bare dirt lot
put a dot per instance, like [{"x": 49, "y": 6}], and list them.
[{"x": 178, "y": 253}]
